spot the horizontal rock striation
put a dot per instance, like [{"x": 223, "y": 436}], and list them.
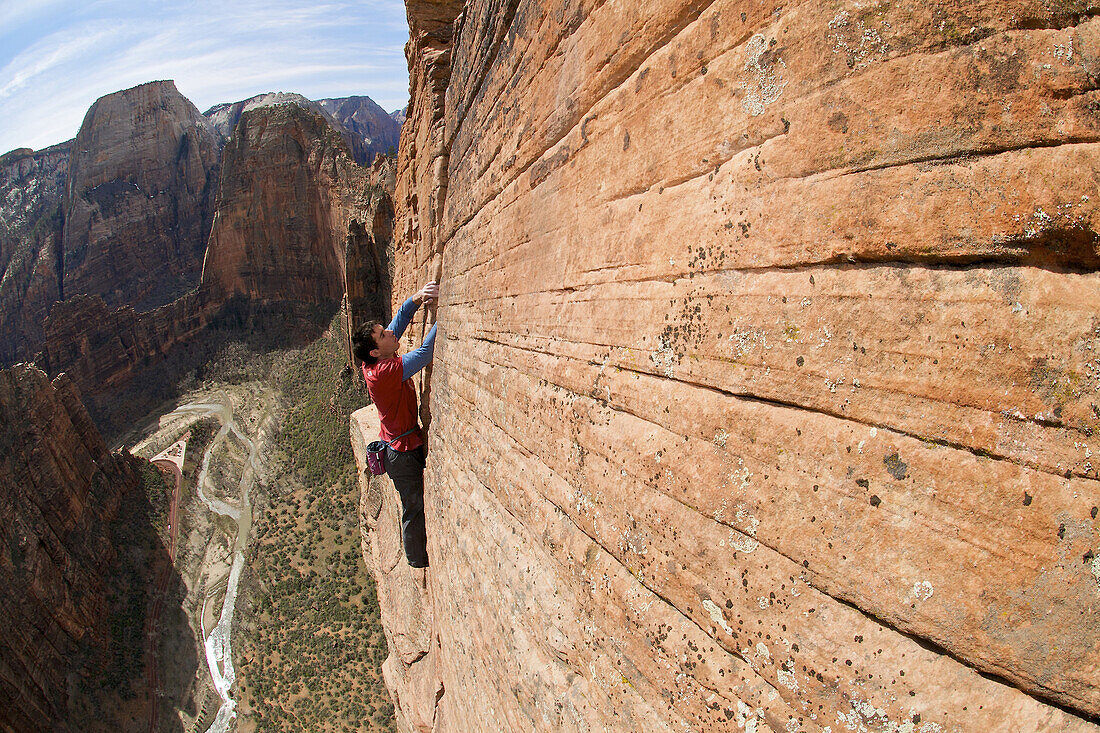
[
  {"x": 766, "y": 389},
  {"x": 102, "y": 348},
  {"x": 59, "y": 489},
  {"x": 32, "y": 187},
  {"x": 139, "y": 203}
]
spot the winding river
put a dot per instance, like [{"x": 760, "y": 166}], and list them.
[{"x": 218, "y": 643}]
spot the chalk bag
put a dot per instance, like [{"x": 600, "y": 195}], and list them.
[{"x": 376, "y": 457}]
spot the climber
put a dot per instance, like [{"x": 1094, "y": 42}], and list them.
[{"x": 389, "y": 382}]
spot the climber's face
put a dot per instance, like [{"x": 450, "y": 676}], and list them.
[{"x": 385, "y": 341}]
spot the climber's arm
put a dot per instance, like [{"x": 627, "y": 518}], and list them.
[
  {"x": 417, "y": 359},
  {"x": 405, "y": 313}
]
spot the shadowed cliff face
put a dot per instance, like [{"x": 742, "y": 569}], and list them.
[
  {"x": 32, "y": 186},
  {"x": 101, "y": 348},
  {"x": 374, "y": 129},
  {"x": 766, "y": 387},
  {"x": 76, "y": 544},
  {"x": 369, "y": 250},
  {"x": 141, "y": 185}
]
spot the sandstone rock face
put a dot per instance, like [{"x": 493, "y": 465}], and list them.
[
  {"x": 32, "y": 187},
  {"x": 288, "y": 193},
  {"x": 376, "y": 130},
  {"x": 100, "y": 348},
  {"x": 139, "y": 204},
  {"x": 766, "y": 389},
  {"x": 59, "y": 486}
]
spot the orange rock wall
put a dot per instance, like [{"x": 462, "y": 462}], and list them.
[{"x": 766, "y": 389}]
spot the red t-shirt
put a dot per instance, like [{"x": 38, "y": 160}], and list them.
[{"x": 396, "y": 402}]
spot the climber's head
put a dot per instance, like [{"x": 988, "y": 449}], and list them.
[{"x": 373, "y": 342}]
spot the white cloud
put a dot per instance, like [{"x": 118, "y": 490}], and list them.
[
  {"x": 48, "y": 55},
  {"x": 216, "y": 51}
]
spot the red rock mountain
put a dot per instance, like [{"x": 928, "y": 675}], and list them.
[
  {"x": 288, "y": 192},
  {"x": 765, "y": 396},
  {"x": 139, "y": 204},
  {"x": 298, "y": 225},
  {"x": 294, "y": 213},
  {"x": 139, "y": 210},
  {"x": 60, "y": 488}
]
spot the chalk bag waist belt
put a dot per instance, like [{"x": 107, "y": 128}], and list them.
[{"x": 376, "y": 453}]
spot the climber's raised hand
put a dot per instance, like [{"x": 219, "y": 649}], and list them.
[{"x": 428, "y": 293}]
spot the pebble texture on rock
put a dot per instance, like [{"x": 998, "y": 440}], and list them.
[{"x": 766, "y": 391}]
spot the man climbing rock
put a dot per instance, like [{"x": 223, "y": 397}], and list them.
[{"x": 389, "y": 382}]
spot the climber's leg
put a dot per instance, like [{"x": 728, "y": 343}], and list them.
[{"x": 406, "y": 468}]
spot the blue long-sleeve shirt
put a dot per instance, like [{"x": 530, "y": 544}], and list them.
[{"x": 421, "y": 356}]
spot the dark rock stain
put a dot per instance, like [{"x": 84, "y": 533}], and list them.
[
  {"x": 838, "y": 122},
  {"x": 895, "y": 466}
]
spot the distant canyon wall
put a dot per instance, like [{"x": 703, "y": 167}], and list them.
[
  {"x": 765, "y": 395},
  {"x": 140, "y": 198},
  {"x": 60, "y": 489},
  {"x": 103, "y": 250},
  {"x": 32, "y": 186}
]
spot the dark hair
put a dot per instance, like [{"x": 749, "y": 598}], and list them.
[{"x": 362, "y": 343}]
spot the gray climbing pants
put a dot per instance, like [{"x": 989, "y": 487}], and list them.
[{"x": 406, "y": 469}]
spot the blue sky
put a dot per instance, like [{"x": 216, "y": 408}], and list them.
[{"x": 59, "y": 56}]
